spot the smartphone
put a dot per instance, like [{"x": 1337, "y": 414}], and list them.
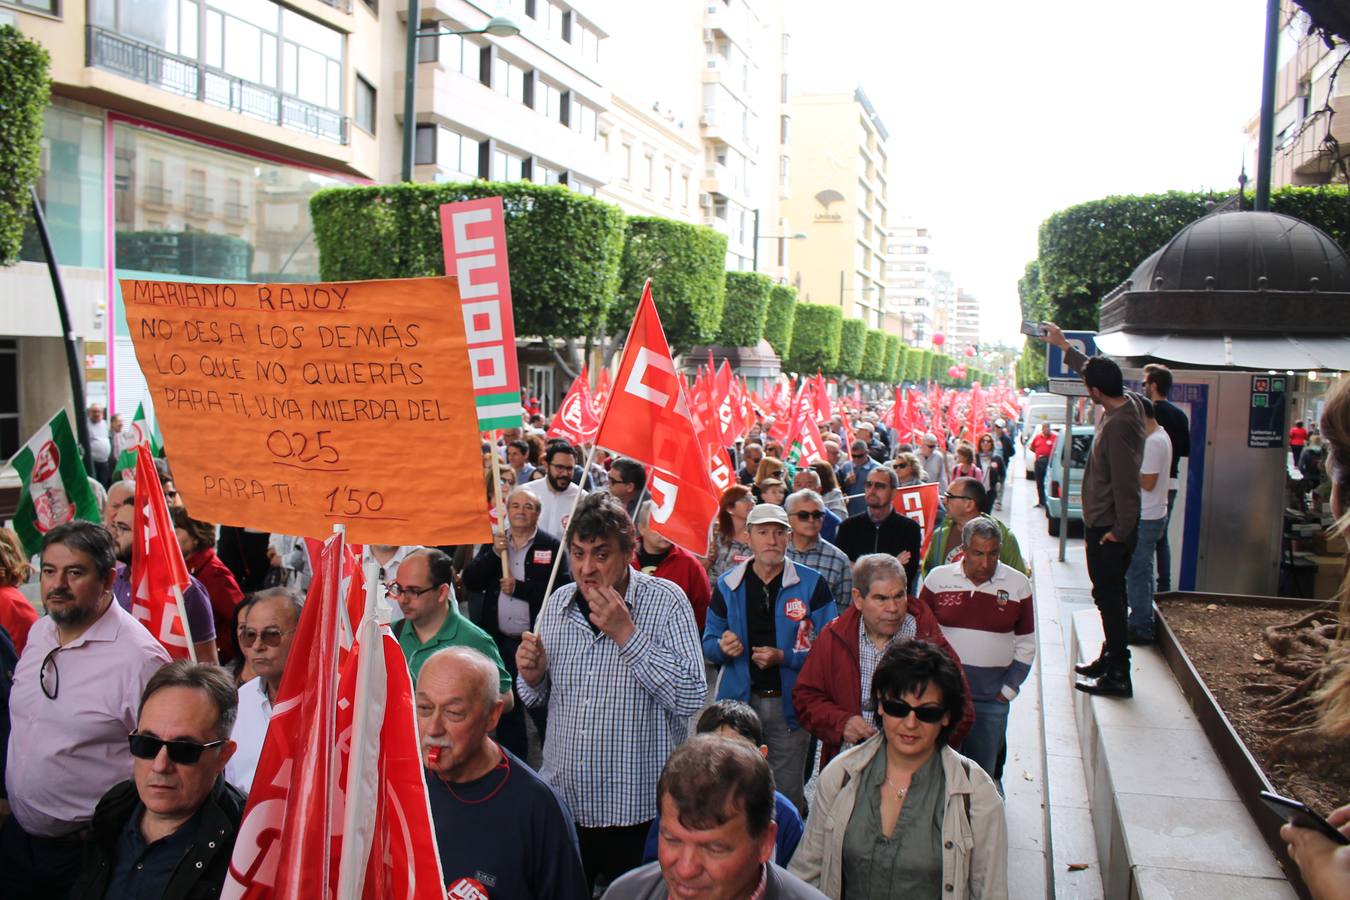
[
  {"x": 1034, "y": 329},
  {"x": 1300, "y": 815}
]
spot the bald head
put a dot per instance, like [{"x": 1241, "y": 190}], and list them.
[
  {"x": 474, "y": 673},
  {"x": 121, "y": 492}
]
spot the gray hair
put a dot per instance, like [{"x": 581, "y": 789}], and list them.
[
  {"x": 803, "y": 494},
  {"x": 519, "y": 490},
  {"x": 874, "y": 567},
  {"x": 211, "y": 680},
  {"x": 643, "y": 514},
  {"x": 292, "y": 598},
  {"x": 981, "y": 527},
  {"x": 889, "y": 473},
  {"x": 810, "y": 474},
  {"x": 485, "y": 669},
  {"x": 90, "y": 538}
]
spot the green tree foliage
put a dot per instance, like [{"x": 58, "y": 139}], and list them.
[
  {"x": 874, "y": 355},
  {"x": 893, "y": 359},
  {"x": 687, "y": 266},
  {"x": 816, "y": 331},
  {"x": 916, "y": 365},
  {"x": 564, "y": 248},
  {"x": 778, "y": 320},
  {"x": 743, "y": 313},
  {"x": 851, "y": 345},
  {"x": 24, "y": 88}
]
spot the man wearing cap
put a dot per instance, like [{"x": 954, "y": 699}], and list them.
[{"x": 763, "y": 618}]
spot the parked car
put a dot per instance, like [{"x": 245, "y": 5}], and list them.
[
  {"x": 1039, "y": 408},
  {"x": 1055, "y": 482}
]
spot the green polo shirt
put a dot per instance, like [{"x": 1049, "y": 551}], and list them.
[{"x": 456, "y": 631}]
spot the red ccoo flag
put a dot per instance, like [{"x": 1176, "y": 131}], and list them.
[
  {"x": 576, "y": 417},
  {"x": 648, "y": 420},
  {"x": 158, "y": 573}
]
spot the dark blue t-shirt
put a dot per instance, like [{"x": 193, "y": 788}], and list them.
[
  {"x": 789, "y": 832},
  {"x": 507, "y": 835}
]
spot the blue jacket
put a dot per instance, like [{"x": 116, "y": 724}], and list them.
[{"x": 795, "y": 634}]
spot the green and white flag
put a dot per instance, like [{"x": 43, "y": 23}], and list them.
[
  {"x": 142, "y": 432},
  {"x": 55, "y": 486}
]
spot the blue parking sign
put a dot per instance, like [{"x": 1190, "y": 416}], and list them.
[{"x": 1064, "y": 380}]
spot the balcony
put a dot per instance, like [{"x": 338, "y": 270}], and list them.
[
  {"x": 730, "y": 21},
  {"x": 236, "y": 212},
  {"x": 191, "y": 78},
  {"x": 156, "y": 195},
  {"x": 198, "y": 205}
]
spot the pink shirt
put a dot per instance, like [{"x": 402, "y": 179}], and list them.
[{"x": 65, "y": 753}]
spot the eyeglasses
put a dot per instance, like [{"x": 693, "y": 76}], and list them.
[
  {"x": 878, "y": 485},
  {"x": 898, "y": 466},
  {"x": 270, "y": 637},
  {"x": 816, "y": 516},
  {"x": 899, "y": 709},
  {"x": 958, "y": 497},
  {"x": 184, "y": 753},
  {"x": 397, "y": 590},
  {"x": 613, "y": 480},
  {"x": 50, "y": 660}
]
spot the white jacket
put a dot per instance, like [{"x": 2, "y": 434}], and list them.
[{"x": 974, "y": 831}]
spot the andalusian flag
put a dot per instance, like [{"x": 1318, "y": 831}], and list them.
[
  {"x": 55, "y": 486},
  {"x": 142, "y": 432}
]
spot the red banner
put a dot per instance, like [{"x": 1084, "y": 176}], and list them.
[
  {"x": 158, "y": 573},
  {"x": 648, "y": 419},
  {"x": 575, "y": 419},
  {"x": 920, "y": 503}
]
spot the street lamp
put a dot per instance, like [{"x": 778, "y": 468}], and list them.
[
  {"x": 754, "y": 250},
  {"x": 497, "y": 26}
]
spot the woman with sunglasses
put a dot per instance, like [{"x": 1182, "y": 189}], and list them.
[
  {"x": 907, "y": 468},
  {"x": 902, "y": 814}
]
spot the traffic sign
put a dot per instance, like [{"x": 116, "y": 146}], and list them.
[{"x": 1062, "y": 379}]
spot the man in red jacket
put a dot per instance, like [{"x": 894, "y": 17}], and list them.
[
  {"x": 838, "y": 671},
  {"x": 657, "y": 556}
]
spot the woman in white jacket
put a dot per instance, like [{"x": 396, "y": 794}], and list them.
[{"x": 902, "y": 814}]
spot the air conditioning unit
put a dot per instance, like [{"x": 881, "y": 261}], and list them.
[{"x": 705, "y": 201}]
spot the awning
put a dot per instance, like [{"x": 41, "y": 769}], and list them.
[{"x": 1280, "y": 352}]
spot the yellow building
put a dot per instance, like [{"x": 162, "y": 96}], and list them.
[{"x": 838, "y": 198}]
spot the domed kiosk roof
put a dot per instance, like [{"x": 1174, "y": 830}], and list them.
[{"x": 1236, "y": 289}]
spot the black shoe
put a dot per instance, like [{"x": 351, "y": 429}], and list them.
[
  {"x": 1094, "y": 669},
  {"x": 1115, "y": 683}
]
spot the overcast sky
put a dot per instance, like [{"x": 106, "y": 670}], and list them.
[{"x": 1001, "y": 113}]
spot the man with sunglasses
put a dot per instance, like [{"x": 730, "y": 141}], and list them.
[
  {"x": 808, "y": 547},
  {"x": 169, "y": 832},
  {"x": 880, "y": 529},
  {"x": 627, "y": 483},
  {"x": 265, "y": 633},
  {"x": 853, "y": 476},
  {"x": 72, "y": 703}
]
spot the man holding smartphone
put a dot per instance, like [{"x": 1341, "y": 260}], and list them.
[{"x": 1110, "y": 510}]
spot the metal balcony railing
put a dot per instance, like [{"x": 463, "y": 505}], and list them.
[
  {"x": 156, "y": 195},
  {"x": 185, "y": 77},
  {"x": 198, "y": 205}
]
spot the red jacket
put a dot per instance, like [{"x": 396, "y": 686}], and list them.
[
  {"x": 688, "y": 574},
  {"x": 829, "y": 687},
  {"x": 224, "y": 593}
]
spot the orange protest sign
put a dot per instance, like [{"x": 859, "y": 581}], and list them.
[{"x": 292, "y": 407}]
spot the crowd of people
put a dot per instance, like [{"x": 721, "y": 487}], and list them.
[{"x": 816, "y": 707}]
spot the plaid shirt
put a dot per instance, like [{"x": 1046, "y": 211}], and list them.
[
  {"x": 829, "y": 561},
  {"x": 615, "y": 713},
  {"x": 869, "y": 656}
]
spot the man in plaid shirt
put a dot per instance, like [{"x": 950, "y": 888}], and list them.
[
  {"x": 617, "y": 660},
  {"x": 806, "y": 509}
]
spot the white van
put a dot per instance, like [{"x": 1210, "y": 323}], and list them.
[{"x": 1038, "y": 408}]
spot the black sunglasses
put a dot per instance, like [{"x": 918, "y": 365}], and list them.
[
  {"x": 956, "y": 497},
  {"x": 899, "y": 709},
  {"x": 50, "y": 660},
  {"x": 184, "y": 753},
  {"x": 807, "y": 516}
]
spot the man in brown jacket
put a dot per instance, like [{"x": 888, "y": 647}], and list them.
[{"x": 1110, "y": 510}]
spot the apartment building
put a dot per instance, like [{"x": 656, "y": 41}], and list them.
[
  {"x": 838, "y": 198},
  {"x": 965, "y": 323},
  {"x": 1303, "y": 90},
  {"x": 944, "y": 302},
  {"x": 909, "y": 281}
]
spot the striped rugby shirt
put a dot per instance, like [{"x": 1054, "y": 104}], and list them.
[{"x": 992, "y": 626}]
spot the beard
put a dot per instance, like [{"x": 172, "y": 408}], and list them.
[
  {"x": 559, "y": 484},
  {"x": 71, "y": 615}
]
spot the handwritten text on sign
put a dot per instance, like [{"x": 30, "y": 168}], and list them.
[
  {"x": 292, "y": 407},
  {"x": 473, "y": 236}
]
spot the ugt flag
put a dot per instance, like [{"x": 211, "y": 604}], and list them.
[
  {"x": 575, "y": 419},
  {"x": 141, "y": 432},
  {"x": 55, "y": 486},
  {"x": 158, "y": 573},
  {"x": 647, "y": 419}
]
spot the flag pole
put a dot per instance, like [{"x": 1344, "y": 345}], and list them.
[
  {"x": 501, "y": 506},
  {"x": 356, "y": 821},
  {"x": 182, "y": 614},
  {"x": 562, "y": 539},
  {"x": 335, "y": 584}
]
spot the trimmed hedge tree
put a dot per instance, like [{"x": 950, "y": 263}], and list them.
[
  {"x": 564, "y": 248},
  {"x": 687, "y": 266},
  {"x": 778, "y": 319},
  {"x": 894, "y": 353},
  {"x": 24, "y": 89},
  {"x": 852, "y": 338},
  {"x": 816, "y": 331},
  {"x": 874, "y": 355},
  {"x": 743, "y": 313}
]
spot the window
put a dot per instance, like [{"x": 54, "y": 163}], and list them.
[
  {"x": 684, "y": 185},
  {"x": 428, "y": 48},
  {"x": 543, "y": 173},
  {"x": 649, "y": 171},
  {"x": 582, "y": 187},
  {"x": 783, "y": 128},
  {"x": 424, "y": 145},
  {"x": 628, "y": 162},
  {"x": 783, "y": 89},
  {"x": 783, "y": 168},
  {"x": 509, "y": 78},
  {"x": 364, "y": 105},
  {"x": 506, "y": 166},
  {"x": 548, "y": 99},
  {"x": 670, "y": 183},
  {"x": 69, "y": 187}
]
